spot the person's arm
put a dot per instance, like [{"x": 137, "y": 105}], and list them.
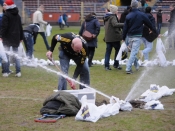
[
  {"x": 80, "y": 62},
  {"x": 53, "y": 44},
  {"x": 115, "y": 23},
  {"x": 82, "y": 29},
  {"x": 97, "y": 30},
  {"x": 40, "y": 19}
]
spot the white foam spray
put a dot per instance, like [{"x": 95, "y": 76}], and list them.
[{"x": 58, "y": 73}]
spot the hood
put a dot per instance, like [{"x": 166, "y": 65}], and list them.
[
  {"x": 13, "y": 11},
  {"x": 108, "y": 15},
  {"x": 90, "y": 18}
]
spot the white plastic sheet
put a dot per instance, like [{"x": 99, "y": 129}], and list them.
[
  {"x": 90, "y": 112},
  {"x": 122, "y": 49},
  {"x": 2, "y": 53},
  {"x": 48, "y": 30},
  {"x": 160, "y": 49}
]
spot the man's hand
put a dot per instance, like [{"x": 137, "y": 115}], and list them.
[
  {"x": 49, "y": 55},
  {"x": 71, "y": 83}
]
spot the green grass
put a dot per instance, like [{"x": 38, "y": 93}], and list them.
[{"x": 21, "y": 98}]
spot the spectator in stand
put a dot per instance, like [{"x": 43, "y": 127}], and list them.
[
  {"x": 159, "y": 21},
  {"x": 133, "y": 28},
  {"x": 113, "y": 36},
  {"x": 38, "y": 18},
  {"x": 91, "y": 24},
  {"x": 124, "y": 14},
  {"x": 11, "y": 34},
  {"x": 171, "y": 27},
  {"x": 65, "y": 18}
]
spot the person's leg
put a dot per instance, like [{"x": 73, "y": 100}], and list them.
[
  {"x": 148, "y": 47},
  {"x": 35, "y": 37},
  {"x": 17, "y": 60},
  {"x": 116, "y": 46},
  {"x": 45, "y": 39},
  {"x": 91, "y": 51},
  {"x": 136, "y": 41},
  {"x": 84, "y": 75},
  {"x": 64, "y": 63},
  {"x": 6, "y": 65},
  {"x": 107, "y": 54}
]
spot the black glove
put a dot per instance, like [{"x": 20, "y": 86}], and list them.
[{"x": 48, "y": 23}]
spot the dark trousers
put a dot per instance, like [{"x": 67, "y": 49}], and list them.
[
  {"x": 91, "y": 51},
  {"x": 44, "y": 38},
  {"x": 109, "y": 46}
]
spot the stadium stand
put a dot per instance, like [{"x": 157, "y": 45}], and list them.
[{"x": 53, "y": 8}]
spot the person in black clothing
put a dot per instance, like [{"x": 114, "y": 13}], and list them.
[
  {"x": 11, "y": 34},
  {"x": 73, "y": 47},
  {"x": 29, "y": 33},
  {"x": 124, "y": 14},
  {"x": 159, "y": 21}
]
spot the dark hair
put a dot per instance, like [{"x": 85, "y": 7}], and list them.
[
  {"x": 148, "y": 10},
  {"x": 90, "y": 15}
]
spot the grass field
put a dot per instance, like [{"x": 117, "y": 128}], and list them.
[{"x": 21, "y": 98}]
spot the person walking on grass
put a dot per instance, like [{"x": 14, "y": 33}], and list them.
[
  {"x": 113, "y": 36},
  {"x": 73, "y": 47},
  {"x": 91, "y": 24},
  {"x": 133, "y": 28},
  {"x": 11, "y": 34},
  {"x": 148, "y": 45},
  {"x": 38, "y": 18}
]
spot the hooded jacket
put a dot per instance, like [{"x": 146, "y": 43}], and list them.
[
  {"x": 61, "y": 102},
  {"x": 11, "y": 30},
  {"x": 113, "y": 29},
  {"x": 93, "y": 26},
  {"x": 133, "y": 25}
]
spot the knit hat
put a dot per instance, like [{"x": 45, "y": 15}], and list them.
[
  {"x": 9, "y": 4},
  {"x": 113, "y": 8},
  {"x": 134, "y": 3}
]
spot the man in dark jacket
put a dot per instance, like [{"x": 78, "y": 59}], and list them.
[
  {"x": 171, "y": 27},
  {"x": 133, "y": 28},
  {"x": 29, "y": 33},
  {"x": 11, "y": 34},
  {"x": 159, "y": 21},
  {"x": 73, "y": 47},
  {"x": 93, "y": 26}
]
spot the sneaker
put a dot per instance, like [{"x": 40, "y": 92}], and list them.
[
  {"x": 107, "y": 68},
  {"x": 119, "y": 67},
  {"x": 18, "y": 74},
  {"x": 5, "y": 74},
  {"x": 129, "y": 72}
]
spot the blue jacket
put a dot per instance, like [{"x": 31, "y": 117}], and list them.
[
  {"x": 133, "y": 25},
  {"x": 93, "y": 26}
]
